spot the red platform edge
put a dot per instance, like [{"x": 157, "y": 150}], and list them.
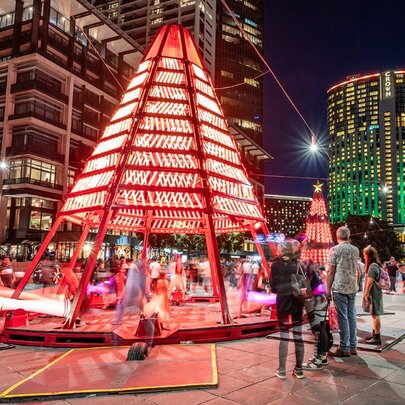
[{"x": 75, "y": 338}]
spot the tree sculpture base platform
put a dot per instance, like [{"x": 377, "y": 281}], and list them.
[
  {"x": 104, "y": 370},
  {"x": 196, "y": 322}
]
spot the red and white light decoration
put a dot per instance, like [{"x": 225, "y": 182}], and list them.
[
  {"x": 166, "y": 163},
  {"x": 171, "y": 140}
]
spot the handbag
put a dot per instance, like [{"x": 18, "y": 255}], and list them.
[
  {"x": 333, "y": 318},
  {"x": 300, "y": 286}
]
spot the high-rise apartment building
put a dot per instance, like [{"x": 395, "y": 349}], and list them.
[
  {"x": 232, "y": 62},
  {"x": 286, "y": 214},
  {"x": 366, "y": 120},
  {"x": 55, "y": 96}
]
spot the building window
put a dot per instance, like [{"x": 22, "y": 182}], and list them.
[
  {"x": 32, "y": 171},
  {"x": 251, "y": 82},
  {"x": 39, "y": 107},
  {"x": 225, "y": 73},
  {"x": 41, "y": 214},
  {"x": 156, "y": 20},
  {"x": 59, "y": 20},
  {"x": 6, "y": 20}
]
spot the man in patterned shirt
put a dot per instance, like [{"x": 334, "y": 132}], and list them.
[{"x": 343, "y": 280}]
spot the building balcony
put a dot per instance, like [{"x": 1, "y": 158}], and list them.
[
  {"x": 39, "y": 116},
  {"x": 28, "y": 180},
  {"x": 33, "y": 149},
  {"x": 40, "y": 86}
]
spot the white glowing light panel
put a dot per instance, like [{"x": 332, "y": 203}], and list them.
[{"x": 167, "y": 154}]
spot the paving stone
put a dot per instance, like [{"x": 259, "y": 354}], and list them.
[
  {"x": 364, "y": 399},
  {"x": 397, "y": 377},
  {"x": 388, "y": 390},
  {"x": 255, "y": 395},
  {"x": 326, "y": 393},
  {"x": 227, "y": 384},
  {"x": 342, "y": 379},
  {"x": 192, "y": 397},
  {"x": 220, "y": 401},
  {"x": 288, "y": 386}
]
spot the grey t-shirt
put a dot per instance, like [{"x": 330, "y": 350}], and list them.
[{"x": 344, "y": 256}]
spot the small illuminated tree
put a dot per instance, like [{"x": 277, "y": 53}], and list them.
[
  {"x": 166, "y": 163},
  {"x": 317, "y": 229}
]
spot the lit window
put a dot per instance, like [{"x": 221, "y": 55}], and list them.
[{"x": 156, "y": 20}]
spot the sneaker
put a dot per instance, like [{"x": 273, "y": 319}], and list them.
[
  {"x": 297, "y": 372},
  {"x": 340, "y": 353},
  {"x": 313, "y": 364},
  {"x": 280, "y": 374},
  {"x": 353, "y": 352}
]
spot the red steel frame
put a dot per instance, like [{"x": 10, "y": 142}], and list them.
[{"x": 166, "y": 163}]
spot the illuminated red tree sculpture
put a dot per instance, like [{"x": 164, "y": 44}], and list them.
[
  {"x": 166, "y": 163},
  {"x": 319, "y": 237}
]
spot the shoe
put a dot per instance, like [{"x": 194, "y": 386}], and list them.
[
  {"x": 353, "y": 352},
  {"x": 370, "y": 337},
  {"x": 297, "y": 372},
  {"x": 313, "y": 364},
  {"x": 376, "y": 340},
  {"x": 280, "y": 374},
  {"x": 324, "y": 361},
  {"x": 340, "y": 353}
]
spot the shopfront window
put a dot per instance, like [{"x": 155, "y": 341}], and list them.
[{"x": 41, "y": 214}]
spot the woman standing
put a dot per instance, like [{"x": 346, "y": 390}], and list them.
[
  {"x": 373, "y": 296},
  {"x": 288, "y": 306}
]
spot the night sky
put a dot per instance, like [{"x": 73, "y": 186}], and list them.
[{"x": 312, "y": 45}]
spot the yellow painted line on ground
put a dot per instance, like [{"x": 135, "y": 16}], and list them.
[
  {"x": 110, "y": 390},
  {"x": 4, "y": 393}
]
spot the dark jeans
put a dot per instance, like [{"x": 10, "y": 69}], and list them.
[
  {"x": 393, "y": 281},
  {"x": 283, "y": 323}
]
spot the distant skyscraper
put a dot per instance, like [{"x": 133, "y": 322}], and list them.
[
  {"x": 286, "y": 214},
  {"x": 232, "y": 62},
  {"x": 366, "y": 119}
]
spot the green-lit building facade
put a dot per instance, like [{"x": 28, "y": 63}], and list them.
[{"x": 366, "y": 125}]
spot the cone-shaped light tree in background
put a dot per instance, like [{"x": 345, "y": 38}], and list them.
[{"x": 317, "y": 229}]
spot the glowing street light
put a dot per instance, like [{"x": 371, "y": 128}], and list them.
[
  {"x": 385, "y": 189},
  {"x": 313, "y": 147},
  {"x": 3, "y": 165}
]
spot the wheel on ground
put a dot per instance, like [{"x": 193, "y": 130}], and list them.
[{"x": 138, "y": 351}]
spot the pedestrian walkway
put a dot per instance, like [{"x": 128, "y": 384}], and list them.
[{"x": 246, "y": 374}]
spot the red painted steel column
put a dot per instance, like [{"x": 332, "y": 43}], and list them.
[
  {"x": 260, "y": 250},
  {"x": 76, "y": 252},
  {"x": 215, "y": 262},
  {"x": 271, "y": 244},
  {"x": 88, "y": 270},
  {"x": 37, "y": 257}
]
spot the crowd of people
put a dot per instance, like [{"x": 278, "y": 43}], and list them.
[{"x": 336, "y": 290}]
